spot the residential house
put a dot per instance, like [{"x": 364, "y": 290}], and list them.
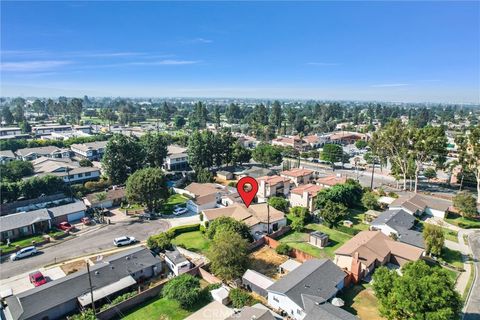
[
  {"x": 92, "y": 150},
  {"x": 177, "y": 159},
  {"x": 305, "y": 196},
  {"x": 66, "y": 135},
  {"x": 270, "y": 186},
  {"x": 70, "y": 212},
  {"x": 203, "y": 196},
  {"x": 331, "y": 180},
  {"x": 347, "y": 137},
  {"x": 288, "y": 266},
  {"x": 22, "y": 224},
  {"x": 258, "y": 217},
  {"x": 224, "y": 175},
  {"x": 246, "y": 141},
  {"x": 398, "y": 224},
  {"x": 315, "y": 141},
  {"x": 370, "y": 249},
  {"x": 417, "y": 204},
  {"x": 33, "y": 204},
  {"x": 256, "y": 172},
  {"x": 59, "y": 298},
  {"x": 75, "y": 175},
  {"x": 10, "y": 131},
  {"x": 256, "y": 282},
  {"x": 255, "y": 312},
  {"x": 85, "y": 128},
  {"x": 6, "y": 156},
  {"x": 176, "y": 262},
  {"x": 317, "y": 280},
  {"x": 108, "y": 199},
  {"x": 43, "y": 130},
  {"x": 28, "y": 154},
  {"x": 298, "y": 175},
  {"x": 287, "y": 141}
]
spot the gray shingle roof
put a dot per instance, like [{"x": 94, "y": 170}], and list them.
[
  {"x": 67, "y": 209},
  {"x": 29, "y": 304},
  {"x": 7, "y": 154},
  {"x": 325, "y": 311},
  {"x": 413, "y": 237},
  {"x": 23, "y": 219},
  {"x": 175, "y": 256},
  {"x": 316, "y": 277},
  {"x": 395, "y": 219}
]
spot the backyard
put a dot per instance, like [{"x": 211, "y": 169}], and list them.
[
  {"x": 159, "y": 309},
  {"x": 361, "y": 301},
  {"x": 266, "y": 261},
  {"x": 193, "y": 241},
  {"x": 299, "y": 240}
]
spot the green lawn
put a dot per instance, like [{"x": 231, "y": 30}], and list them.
[
  {"x": 361, "y": 301},
  {"x": 462, "y": 222},
  {"x": 172, "y": 201},
  {"x": 452, "y": 257},
  {"x": 469, "y": 283},
  {"x": 357, "y": 216},
  {"x": 24, "y": 242},
  {"x": 193, "y": 241},
  {"x": 299, "y": 240},
  {"x": 450, "y": 235},
  {"x": 169, "y": 309}
]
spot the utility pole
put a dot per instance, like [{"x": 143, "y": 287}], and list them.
[
  {"x": 268, "y": 217},
  {"x": 373, "y": 170},
  {"x": 91, "y": 288}
]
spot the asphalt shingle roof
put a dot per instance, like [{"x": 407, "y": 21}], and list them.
[{"x": 23, "y": 219}]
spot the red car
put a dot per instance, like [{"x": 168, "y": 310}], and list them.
[
  {"x": 37, "y": 278},
  {"x": 65, "y": 226}
]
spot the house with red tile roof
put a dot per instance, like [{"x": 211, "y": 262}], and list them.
[
  {"x": 331, "y": 180},
  {"x": 298, "y": 175},
  {"x": 269, "y": 186},
  {"x": 305, "y": 195}
]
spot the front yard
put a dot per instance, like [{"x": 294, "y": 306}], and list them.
[
  {"x": 361, "y": 301},
  {"x": 299, "y": 240},
  {"x": 172, "y": 201},
  {"x": 193, "y": 241},
  {"x": 462, "y": 222},
  {"x": 22, "y": 243}
]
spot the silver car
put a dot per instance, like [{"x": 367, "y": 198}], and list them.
[{"x": 23, "y": 253}]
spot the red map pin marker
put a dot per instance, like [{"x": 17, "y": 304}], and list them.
[{"x": 247, "y": 195}]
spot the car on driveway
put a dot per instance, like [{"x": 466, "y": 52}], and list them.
[
  {"x": 37, "y": 278},
  {"x": 86, "y": 221},
  {"x": 23, "y": 253},
  {"x": 179, "y": 211},
  {"x": 65, "y": 226},
  {"x": 124, "y": 241}
]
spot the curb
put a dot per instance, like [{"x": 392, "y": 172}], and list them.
[{"x": 475, "y": 276}]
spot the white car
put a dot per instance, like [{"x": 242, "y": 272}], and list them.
[
  {"x": 124, "y": 241},
  {"x": 179, "y": 211},
  {"x": 23, "y": 253}
]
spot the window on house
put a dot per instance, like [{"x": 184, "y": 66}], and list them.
[
  {"x": 88, "y": 174},
  {"x": 299, "y": 311},
  {"x": 80, "y": 175}
]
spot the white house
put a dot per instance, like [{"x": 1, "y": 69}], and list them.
[
  {"x": 10, "y": 131},
  {"x": 298, "y": 175},
  {"x": 269, "y": 186},
  {"x": 28, "y": 154},
  {"x": 317, "y": 279},
  {"x": 90, "y": 150},
  {"x": 177, "y": 262},
  {"x": 305, "y": 196},
  {"x": 42, "y": 130},
  {"x": 417, "y": 204},
  {"x": 203, "y": 196},
  {"x": 177, "y": 159}
]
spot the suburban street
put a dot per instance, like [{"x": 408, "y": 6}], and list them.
[
  {"x": 472, "y": 310},
  {"x": 86, "y": 243}
]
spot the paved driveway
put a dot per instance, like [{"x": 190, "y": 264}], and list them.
[
  {"x": 84, "y": 244},
  {"x": 22, "y": 283}
]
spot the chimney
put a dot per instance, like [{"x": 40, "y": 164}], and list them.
[{"x": 356, "y": 267}]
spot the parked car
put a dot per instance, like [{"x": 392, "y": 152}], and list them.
[
  {"x": 179, "y": 211},
  {"x": 65, "y": 226},
  {"x": 86, "y": 221},
  {"x": 124, "y": 241},
  {"x": 37, "y": 278},
  {"x": 23, "y": 253}
]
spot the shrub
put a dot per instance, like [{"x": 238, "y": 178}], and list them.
[
  {"x": 183, "y": 229},
  {"x": 185, "y": 289},
  {"x": 159, "y": 242},
  {"x": 240, "y": 298},
  {"x": 283, "y": 248},
  {"x": 203, "y": 229},
  {"x": 119, "y": 299}
]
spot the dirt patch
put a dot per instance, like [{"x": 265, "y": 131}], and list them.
[
  {"x": 266, "y": 261},
  {"x": 72, "y": 267},
  {"x": 361, "y": 301}
]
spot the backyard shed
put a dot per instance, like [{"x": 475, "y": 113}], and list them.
[
  {"x": 318, "y": 239},
  {"x": 256, "y": 282}
]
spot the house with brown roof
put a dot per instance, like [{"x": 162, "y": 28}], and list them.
[
  {"x": 203, "y": 196},
  {"x": 305, "y": 196},
  {"x": 417, "y": 204},
  {"x": 108, "y": 199},
  {"x": 371, "y": 249},
  {"x": 298, "y": 175},
  {"x": 331, "y": 180},
  {"x": 269, "y": 186},
  {"x": 287, "y": 141},
  {"x": 256, "y": 216},
  {"x": 347, "y": 137}
]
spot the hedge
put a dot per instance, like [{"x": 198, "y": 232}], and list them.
[{"x": 173, "y": 232}]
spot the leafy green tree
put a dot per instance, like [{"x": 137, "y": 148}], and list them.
[
  {"x": 75, "y": 106},
  {"x": 276, "y": 116},
  {"x": 228, "y": 255},
  {"x": 361, "y": 144},
  {"x": 7, "y": 116},
  {"x": 297, "y": 224},
  {"x": 203, "y": 176},
  {"x": 123, "y": 156},
  {"x": 267, "y": 154},
  {"x": 279, "y": 203},
  {"x": 283, "y": 249},
  {"x": 154, "y": 147},
  {"x": 15, "y": 170},
  {"x": 465, "y": 203},
  {"x": 240, "y": 154},
  {"x": 469, "y": 154},
  {"x": 430, "y": 173},
  {"x": 332, "y": 153},
  {"x": 369, "y": 200},
  {"x": 25, "y": 127},
  {"x": 434, "y": 239},
  {"x": 332, "y": 213},
  {"x": 301, "y": 212},
  {"x": 222, "y": 224},
  {"x": 36, "y": 186},
  {"x": 159, "y": 242},
  {"x": 185, "y": 289},
  {"x": 85, "y": 163},
  {"x": 148, "y": 186},
  {"x": 240, "y": 298},
  {"x": 348, "y": 194},
  {"x": 86, "y": 314},
  {"x": 233, "y": 113},
  {"x": 10, "y": 191},
  {"x": 422, "y": 292},
  {"x": 179, "y": 122}
]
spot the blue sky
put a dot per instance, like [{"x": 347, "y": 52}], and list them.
[{"x": 396, "y": 51}]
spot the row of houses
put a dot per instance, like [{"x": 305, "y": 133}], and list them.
[{"x": 317, "y": 141}]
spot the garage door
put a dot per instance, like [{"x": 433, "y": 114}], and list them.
[{"x": 75, "y": 216}]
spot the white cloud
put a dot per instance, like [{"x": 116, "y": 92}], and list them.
[
  {"x": 201, "y": 40},
  {"x": 389, "y": 85},
  {"x": 165, "y": 62},
  {"x": 29, "y": 66}
]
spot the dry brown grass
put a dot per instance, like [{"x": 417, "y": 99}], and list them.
[
  {"x": 74, "y": 266},
  {"x": 266, "y": 261}
]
